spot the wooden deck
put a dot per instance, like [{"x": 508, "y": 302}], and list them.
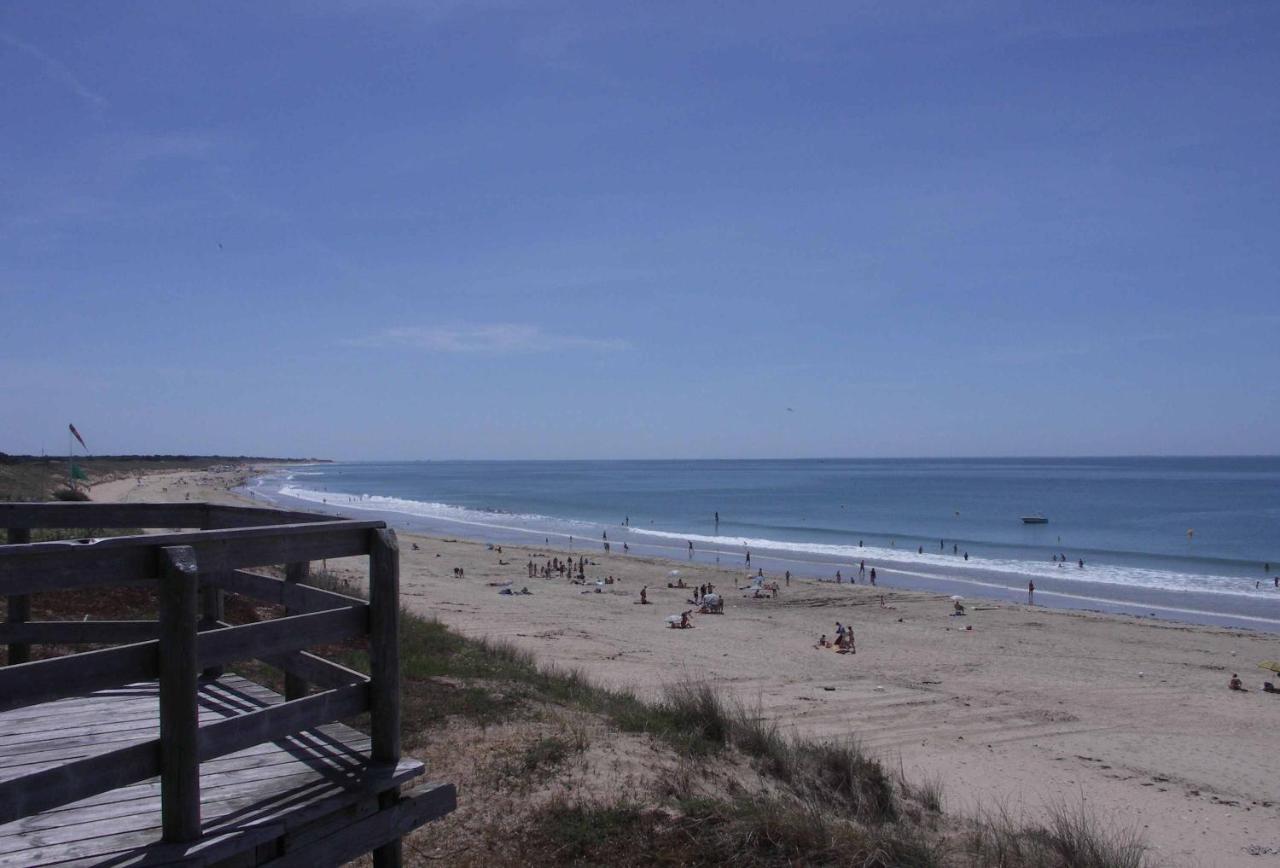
[
  {"x": 152, "y": 752},
  {"x": 284, "y": 795}
]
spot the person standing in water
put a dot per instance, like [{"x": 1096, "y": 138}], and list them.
[{"x": 873, "y": 575}]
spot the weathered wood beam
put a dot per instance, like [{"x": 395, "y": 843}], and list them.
[
  {"x": 45, "y": 680},
  {"x": 281, "y": 635},
  {"x": 384, "y": 643},
  {"x": 277, "y": 721},
  {"x": 79, "y": 632},
  {"x": 79, "y": 779},
  {"x": 60, "y": 565},
  {"x": 269, "y": 589},
  {"x": 179, "y": 711},
  {"x": 423, "y": 804}
]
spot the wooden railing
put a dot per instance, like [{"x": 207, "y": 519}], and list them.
[{"x": 191, "y": 571}]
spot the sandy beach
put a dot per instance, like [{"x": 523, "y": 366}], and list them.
[{"x": 1012, "y": 706}]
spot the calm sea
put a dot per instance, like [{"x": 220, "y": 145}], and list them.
[{"x": 1186, "y": 538}]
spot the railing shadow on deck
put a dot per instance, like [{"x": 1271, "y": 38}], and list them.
[{"x": 191, "y": 641}]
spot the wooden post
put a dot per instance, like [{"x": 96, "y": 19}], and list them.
[
  {"x": 384, "y": 669},
  {"x": 294, "y": 686},
  {"x": 19, "y": 604},
  {"x": 213, "y": 608},
  {"x": 179, "y": 713}
]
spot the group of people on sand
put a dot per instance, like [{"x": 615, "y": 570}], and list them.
[
  {"x": 844, "y": 640},
  {"x": 556, "y": 567}
]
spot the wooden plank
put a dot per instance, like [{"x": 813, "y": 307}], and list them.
[
  {"x": 43, "y": 680},
  {"x": 281, "y": 635},
  {"x": 426, "y": 803},
  {"x": 384, "y": 644},
  {"x": 269, "y": 724},
  {"x": 303, "y": 598},
  {"x": 54, "y": 565},
  {"x": 179, "y": 715},
  {"x": 19, "y": 605},
  {"x": 79, "y": 632}
]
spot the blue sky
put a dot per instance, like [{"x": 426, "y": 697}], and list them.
[{"x": 544, "y": 230}]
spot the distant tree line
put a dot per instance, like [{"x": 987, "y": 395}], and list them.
[{"x": 5, "y": 458}]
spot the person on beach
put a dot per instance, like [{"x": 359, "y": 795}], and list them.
[
  {"x": 1031, "y": 593},
  {"x": 823, "y": 642},
  {"x": 873, "y": 576},
  {"x": 644, "y": 596},
  {"x": 966, "y": 556},
  {"x": 788, "y": 578},
  {"x": 839, "y": 633},
  {"x": 920, "y": 550},
  {"x": 685, "y": 623},
  {"x": 959, "y": 607},
  {"x": 838, "y": 579},
  {"x": 748, "y": 557},
  {"x": 862, "y": 569},
  {"x": 1236, "y": 684}
]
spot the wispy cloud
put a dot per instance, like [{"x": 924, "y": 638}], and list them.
[
  {"x": 490, "y": 338},
  {"x": 58, "y": 71}
]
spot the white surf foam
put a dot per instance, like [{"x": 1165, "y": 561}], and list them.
[
  {"x": 1111, "y": 574},
  {"x": 519, "y": 522}
]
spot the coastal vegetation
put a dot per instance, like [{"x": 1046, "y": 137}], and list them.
[
  {"x": 33, "y": 478},
  {"x": 554, "y": 769}
]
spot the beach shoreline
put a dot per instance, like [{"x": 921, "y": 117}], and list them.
[
  {"x": 1029, "y": 708},
  {"x": 1064, "y": 586}
]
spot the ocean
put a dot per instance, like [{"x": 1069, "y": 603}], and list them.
[{"x": 1192, "y": 539}]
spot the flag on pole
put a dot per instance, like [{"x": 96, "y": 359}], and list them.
[{"x": 77, "y": 435}]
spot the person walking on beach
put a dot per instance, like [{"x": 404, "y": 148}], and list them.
[
  {"x": 838, "y": 579},
  {"x": 873, "y": 575},
  {"x": 691, "y": 548},
  {"x": 788, "y": 578},
  {"x": 862, "y": 569},
  {"x": 1031, "y": 593},
  {"x": 748, "y": 557}
]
